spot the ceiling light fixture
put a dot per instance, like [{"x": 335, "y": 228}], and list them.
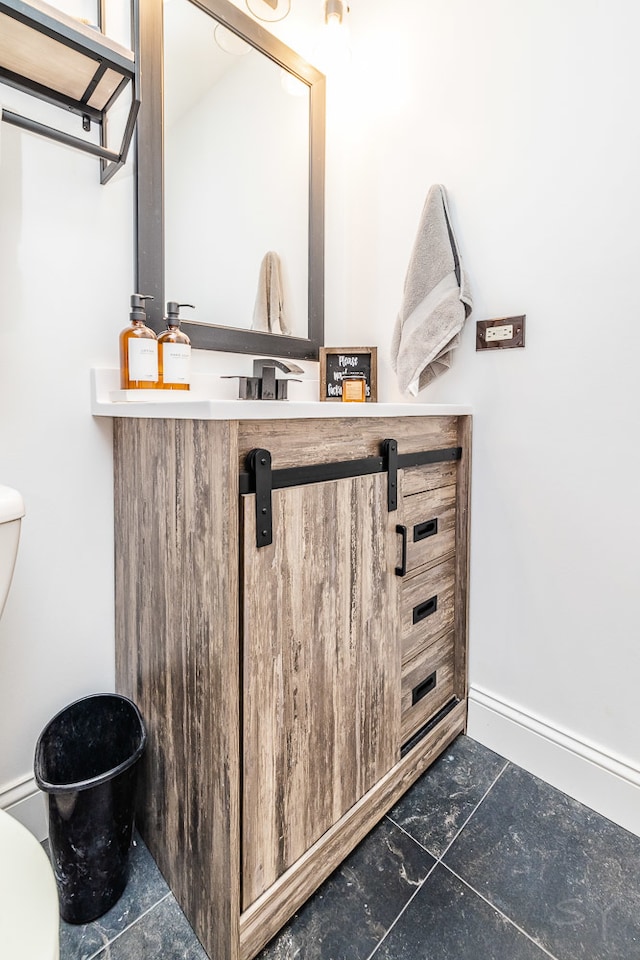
[
  {"x": 333, "y": 52},
  {"x": 334, "y": 11}
]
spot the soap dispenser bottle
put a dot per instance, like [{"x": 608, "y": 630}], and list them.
[
  {"x": 138, "y": 350},
  {"x": 174, "y": 351}
]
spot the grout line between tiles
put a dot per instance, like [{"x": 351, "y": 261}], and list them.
[
  {"x": 439, "y": 860},
  {"x": 411, "y": 837},
  {"x": 129, "y": 926},
  {"x": 411, "y": 898},
  {"x": 499, "y": 911},
  {"x": 473, "y": 812}
]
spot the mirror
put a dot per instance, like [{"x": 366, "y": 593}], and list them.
[{"x": 230, "y": 179}]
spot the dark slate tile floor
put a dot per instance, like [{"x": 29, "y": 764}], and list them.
[{"x": 478, "y": 861}]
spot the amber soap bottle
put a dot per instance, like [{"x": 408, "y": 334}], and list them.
[
  {"x": 138, "y": 350},
  {"x": 174, "y": 351}
]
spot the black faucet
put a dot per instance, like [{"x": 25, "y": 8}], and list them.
[{"x": 264, "y": 385}]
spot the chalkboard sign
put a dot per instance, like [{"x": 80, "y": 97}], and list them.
[{"x": 338, "y": 362}]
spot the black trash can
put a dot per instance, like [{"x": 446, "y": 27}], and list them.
[{"x": 86, "y": 761}]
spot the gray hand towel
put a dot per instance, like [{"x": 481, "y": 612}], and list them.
[
  {"x": 268, "y": 312},
  {"x": 436, "y": 300}
]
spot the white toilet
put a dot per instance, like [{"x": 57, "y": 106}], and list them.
[{"x": 29, "y": 922}]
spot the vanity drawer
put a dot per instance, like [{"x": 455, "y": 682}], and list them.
[
  {"x": 427, "y": 684},
  {"x": 429, "y": 476},
  {"x": 427, "y": 606},
  {"x": 429, "y": 521}
]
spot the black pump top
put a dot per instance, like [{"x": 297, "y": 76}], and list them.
[
  {"x": 173, "y": 317},
  {"x": 137, "y": 306}
]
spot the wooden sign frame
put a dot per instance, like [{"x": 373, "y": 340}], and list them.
[{"x": 337, "y": 360}]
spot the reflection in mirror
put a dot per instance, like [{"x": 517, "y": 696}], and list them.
[
  {"x": 236, "y": 178},
  {"x": 230, "y": 188}
]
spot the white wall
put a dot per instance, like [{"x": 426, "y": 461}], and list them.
[
  {"x": 525, "y": 111},
  {"x": 66, "y": 272}
]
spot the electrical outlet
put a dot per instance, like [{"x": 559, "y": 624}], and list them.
[{"x": 506, "y": 332}]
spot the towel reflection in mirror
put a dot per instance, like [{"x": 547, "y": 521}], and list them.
[{"x": 269, "y": 311}]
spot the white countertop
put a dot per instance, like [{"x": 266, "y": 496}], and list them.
[{"x": 198, "y": 404}]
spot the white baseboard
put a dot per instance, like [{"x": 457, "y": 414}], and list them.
[
  {"x": 608, "y": 784},
  {"x": 24, "y": 801}
]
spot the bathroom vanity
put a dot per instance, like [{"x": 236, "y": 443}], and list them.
[{"x": 291, "y": 619}]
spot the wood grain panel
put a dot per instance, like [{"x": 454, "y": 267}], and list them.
[
  {"x": 428, "y": 477},
  {"x": 43, "y": 59},
  {"x": 463, "y": 511},
  {"x": 301, "y": 442},
  {"x": 321, "y": 667},
  {"x": 438, "y": 581},
  {"x": 105, "y": 89},
  {"x": 176, "y": 655},
  {"x": 440, "y": 505},
  {"x": 267, "y": 915},
  {"x": 438, "y": 658}
]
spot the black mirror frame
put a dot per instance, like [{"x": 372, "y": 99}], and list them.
[{"x": 150, "y": 184}]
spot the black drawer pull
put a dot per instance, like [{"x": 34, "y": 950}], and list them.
[
  {"x": 402, "y": 569},
  {"x": 423, "y": 688},
  {"x": 425, "y": 609},
  {"x": 423, "y": 530}
]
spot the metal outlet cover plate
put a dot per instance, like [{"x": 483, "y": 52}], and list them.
[{"x": 500, "y": 334}]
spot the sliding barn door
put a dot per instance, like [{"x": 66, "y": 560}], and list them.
[{"x": 321, "y": 666}]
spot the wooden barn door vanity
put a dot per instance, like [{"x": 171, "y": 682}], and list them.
[{"x": 291, "y": 618}]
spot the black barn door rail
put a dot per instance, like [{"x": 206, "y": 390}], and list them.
[{"x": 258, "y": 477}]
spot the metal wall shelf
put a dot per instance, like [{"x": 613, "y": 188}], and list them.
[{"x": 63, "y": 61}]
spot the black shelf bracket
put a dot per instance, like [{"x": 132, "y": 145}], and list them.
[{"x": 79, "y": 70}]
